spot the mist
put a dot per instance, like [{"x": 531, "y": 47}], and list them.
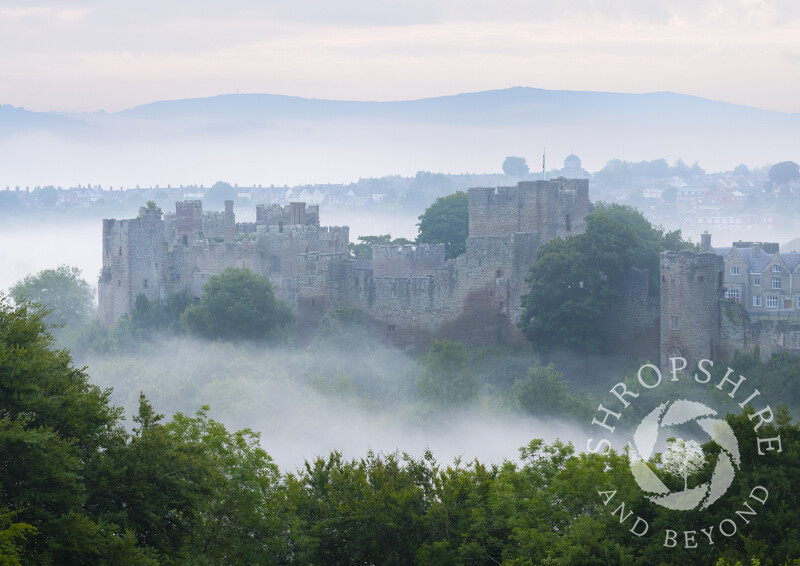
[{"x": 308, "y": 403}]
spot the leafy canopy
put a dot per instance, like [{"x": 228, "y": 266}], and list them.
[
  {"x": 61, "y": 291},
  {"x": 574, "y": 281},
  {"x": 446, "y": 222},
  {"x": 237, "y": 304}
]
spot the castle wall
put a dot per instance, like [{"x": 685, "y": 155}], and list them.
[
  {"x": 740, "y": 333},
  {"x": 407, "y": 261},
  {"x": 634, "y": 320}
]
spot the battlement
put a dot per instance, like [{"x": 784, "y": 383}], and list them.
[
  {"x": 408, "y": 260},
  {"x": 295, "y": 213}
]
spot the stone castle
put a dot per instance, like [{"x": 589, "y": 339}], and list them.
[
  {"x": 710, "y": 304},
  {"x": 408, "y": 293}
]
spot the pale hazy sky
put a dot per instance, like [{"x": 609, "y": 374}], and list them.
[{"x": 87, "y": 55}]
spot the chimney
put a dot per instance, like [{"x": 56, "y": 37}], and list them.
[{"x": 705, "y": 241}]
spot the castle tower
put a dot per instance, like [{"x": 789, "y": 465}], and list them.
[
  {"x": 188, "y": 221},
  {"x": 134, "y": 258},
  {"x": 691, "y": 294},
  {"x": 230, "y": 222}
]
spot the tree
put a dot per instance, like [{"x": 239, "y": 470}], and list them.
[
  {"x": 54, "y": 426},
  {"x": 543, "y": 391},
  {"x": 784, "y": 172},
  {"x": 446, "y": 222},
  {"x": 447, "y": 379},
  {"x": 515, "y": 166},
  {"x": 237, "y": 304},
  {"x": 61, "y": 291},
  {"x": 683, "y": 458},
  {"x": 573, "y": 281}
]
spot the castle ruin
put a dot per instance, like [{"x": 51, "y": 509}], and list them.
[
  {"x": 410, "y": 293},
  {"x": 712, "y": 303}
]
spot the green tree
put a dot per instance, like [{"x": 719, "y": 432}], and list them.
[
  {"x": 574, "y": 281},
  {"x": 515, "y": 166},
  {"x": 53, "y": 424},
  {"x": 66, "y": 298},
  {"x": 446, "y": 222},
  {"x": 193, "y": 491},
  {"x": 543, "y": 391},
  {"x": 447, "y": 379},
  {"x": 237, "y": 304}
]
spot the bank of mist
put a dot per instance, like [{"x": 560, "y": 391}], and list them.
[{"x": 309, "y": 402}]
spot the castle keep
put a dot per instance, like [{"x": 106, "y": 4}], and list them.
[{"x": 410, "y": 293}]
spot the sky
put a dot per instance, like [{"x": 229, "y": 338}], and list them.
[{"x": 88, "y": 55}]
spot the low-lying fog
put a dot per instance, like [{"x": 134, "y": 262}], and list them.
[{"x": 307, "y": 403}]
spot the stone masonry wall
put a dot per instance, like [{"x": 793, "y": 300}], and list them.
[{"x": 407, "y": 261}]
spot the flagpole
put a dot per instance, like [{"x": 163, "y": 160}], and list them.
[{"x": 543, "y": 154}]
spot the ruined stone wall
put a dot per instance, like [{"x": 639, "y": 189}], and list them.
[
  {"x": 408, "y": 260},
  {"x": 691, "y": 289}
]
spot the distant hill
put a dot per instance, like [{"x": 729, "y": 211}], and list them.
[
  {"x": 275, "y": 139},
  {"x": 510, "y": 106},
  {"x": 15, "y": 120}
]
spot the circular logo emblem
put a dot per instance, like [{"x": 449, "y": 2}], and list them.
[{"x": 684, "y": 457}]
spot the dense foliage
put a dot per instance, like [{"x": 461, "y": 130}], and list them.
[
  {"x": 61, "y": 291},
  {"x": 574, "y": 281},
  {"x": 446, "y": 222},
  {"x": 237, "y": 304}
]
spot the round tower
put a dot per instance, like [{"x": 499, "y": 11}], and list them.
[{"x": 691, "y": 294}]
